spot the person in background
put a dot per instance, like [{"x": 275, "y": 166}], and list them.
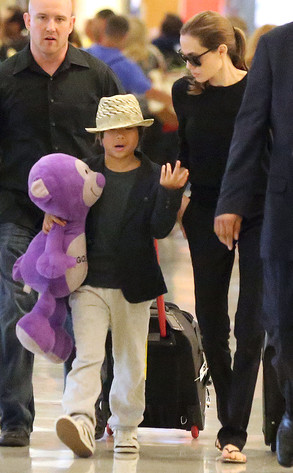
[
  {"x": 94, "y": 27},
  {"x": 139, "y": 48},
  {"x": 41, "y": 111},
  {"x": 207, "y": 102},
  {"x": 139, "y": 203},
  {"x": 110, "y": 50},
  {"x": 253, "y": 40},
  {"x": 160, "y": 141},
  {"x": 238, "y": 22},
  {"x": 168, "y": 42},
  {"x": 99, "y": 24},
  {"x": 267, "y": 109},
  {"x": 75, "y": 39},
  {"x": 88, "y": 35},
  {"x": 14, "y": 35}
]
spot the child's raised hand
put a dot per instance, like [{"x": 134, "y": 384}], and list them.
[
  {"x": 49, "y": 220},
  {"x": 173, "y": 179}
]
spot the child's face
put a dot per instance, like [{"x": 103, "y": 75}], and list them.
[{"x": 120, "y": 142}]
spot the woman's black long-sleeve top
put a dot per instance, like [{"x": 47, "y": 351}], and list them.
[{"x": 206, "y": 125}]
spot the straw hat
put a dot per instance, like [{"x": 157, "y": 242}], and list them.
[{"x": 119, "y": 111}]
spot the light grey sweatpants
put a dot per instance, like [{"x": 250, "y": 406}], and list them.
[{"x": 94, "y": 311}]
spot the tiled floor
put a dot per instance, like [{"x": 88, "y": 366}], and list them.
[{"x": 168, "y": 451}]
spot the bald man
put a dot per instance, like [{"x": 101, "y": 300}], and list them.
[{"x": 49, "y": 93}]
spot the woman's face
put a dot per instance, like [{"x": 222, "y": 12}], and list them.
[{"x": 211, "y": 62}]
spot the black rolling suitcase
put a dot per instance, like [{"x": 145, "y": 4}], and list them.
[
  {"x": 177, "y": 373},
  {"x": 177, "y": 376},
  {"x": 273, "y": 401}
]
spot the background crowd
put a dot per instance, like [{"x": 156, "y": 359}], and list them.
[{"x": 155, "y": 55}]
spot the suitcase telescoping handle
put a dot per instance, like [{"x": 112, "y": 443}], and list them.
[{"x": 161, "y": 304}]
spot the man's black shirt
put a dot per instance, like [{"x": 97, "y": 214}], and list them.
[{"x": 42, "y": 114}]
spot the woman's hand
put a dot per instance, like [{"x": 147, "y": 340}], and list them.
[
  {"x": 184, "y": 203},
  {"x": 49, "y": 220},
  {"x": 173, "y": 179}
]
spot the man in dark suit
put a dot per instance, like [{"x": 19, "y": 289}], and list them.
[{"x": 267, "y": 108}]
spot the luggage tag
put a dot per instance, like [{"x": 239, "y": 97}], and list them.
[{"x": 202, "y": 372}]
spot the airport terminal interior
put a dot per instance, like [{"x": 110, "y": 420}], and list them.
[{"x": 162, "y": 450}]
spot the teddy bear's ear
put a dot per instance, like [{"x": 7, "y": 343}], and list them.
[{"x": 39, "y": 190}]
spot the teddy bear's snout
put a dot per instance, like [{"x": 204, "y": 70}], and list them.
[{"x": 101, "y": 181}]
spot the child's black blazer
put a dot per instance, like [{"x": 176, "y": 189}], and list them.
[{"x": 151, "y": 213}]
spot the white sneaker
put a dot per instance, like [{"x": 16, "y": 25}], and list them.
[
  {"x": 125, "y": 463},
  {"x": 76, "y": 434},
  {"x": 125, "y": 441}
]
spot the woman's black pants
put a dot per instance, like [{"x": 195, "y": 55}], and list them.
[{"x": 212, "y": 262}]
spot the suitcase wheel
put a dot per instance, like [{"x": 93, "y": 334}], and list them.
[
  {"x": 195, "y": 431},
  {"x": 273, "y": 446},
  {"x": 109, "y": 431}
]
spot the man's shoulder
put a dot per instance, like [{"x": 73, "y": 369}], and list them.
[
  {"x": 93, "y": 50},
  {"x": 92, "y": 61},
  {"x": 130, "y": 74},
  {"x": 271, "y": 44},
  {"x": 104, "y": 53},
  {"x": 280, "y": 33},
  {"x": 127, "y": 62},
  {"x": 96, "y": 72},
  {"x": 8, "y": 66}
]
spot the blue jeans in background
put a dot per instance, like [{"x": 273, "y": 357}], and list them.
[{"x": 16, "y": 363}]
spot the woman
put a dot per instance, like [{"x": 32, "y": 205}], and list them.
[
  {"x": 159, "y": 142},
  {"x": 139, "y": 48},
  {"x": 206, "y": 104},
  {"x": 253, "y": 41}
]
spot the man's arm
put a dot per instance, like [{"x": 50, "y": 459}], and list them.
[
  {"x": 247, "y": 149},
  {"x": 227, "y": 228}
]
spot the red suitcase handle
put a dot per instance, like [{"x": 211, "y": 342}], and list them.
[{"x": 161, "y": 304}]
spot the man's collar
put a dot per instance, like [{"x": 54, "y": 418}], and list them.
[
  {"x": 24, "y": 59},
  {"x": 74, "y": 56}
]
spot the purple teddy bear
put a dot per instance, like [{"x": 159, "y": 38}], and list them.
[{"x": 56, "y": 264}]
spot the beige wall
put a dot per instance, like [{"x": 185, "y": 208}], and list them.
[
  {"x": 151, "y": 11},
  {"x": 85, "y": 9},
  {"x": 154, "y": 11}
]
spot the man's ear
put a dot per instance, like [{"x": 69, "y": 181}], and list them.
[
  {"x": 72, "y": 22},
  {"x": 27, "y": 20},
  {"x": 39, "y": 190}
]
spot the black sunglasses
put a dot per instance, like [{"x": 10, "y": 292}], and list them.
[{"x": 192, "y": 58}]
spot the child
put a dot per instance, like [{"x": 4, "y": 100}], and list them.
[{"x": 139, "y": 203}]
